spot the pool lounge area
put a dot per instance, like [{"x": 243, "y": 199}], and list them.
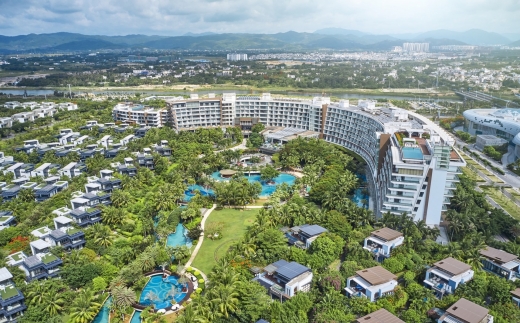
[
  {"x": 161, "y": 291},
  {"x": 267, "y": 189}
]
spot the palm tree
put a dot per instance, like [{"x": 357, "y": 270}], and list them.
[
  {"x": 226, "y": 299},
  {"x": 120, "y": 198},
  {"x": 54, "y": 303},
  {"x": 37, "y": 293},
  {"x": 85, "y": 307},
  {"x": 112, "y": 216},
  {"x": 146, "y": 262},
  {"x": 123, "y": 297},
  {"x": 103, "y": 237}
]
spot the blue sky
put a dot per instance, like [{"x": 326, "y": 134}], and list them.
[{"x": 176, "y": 17}]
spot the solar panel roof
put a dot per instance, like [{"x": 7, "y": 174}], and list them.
[
  {"x": 292, "y": 270},
  {"x": 313, "y": 230}
]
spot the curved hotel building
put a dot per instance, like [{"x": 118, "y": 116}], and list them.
[
  {"x": 412, "y": 164},
  {"x": 503, "y": 123}
]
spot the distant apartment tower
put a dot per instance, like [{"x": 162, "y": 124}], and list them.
[
  {"x": 236, "y": 57},
  {"x": 416, "y": 47}
]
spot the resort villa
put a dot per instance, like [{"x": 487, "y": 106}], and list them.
[
  {"x": 382, "y": 241},
  {"x": 380, "y": 316},
  {"x": 372, "y": 283},
  {"x": 464, "y": 311},
  {"x": 446, "y": 275},
  {"x": 303, "y": 235},
  {"x": 283, "y": 279},
  {"x": 12, "y": 302},
  {"x": 500, "y": 263}
]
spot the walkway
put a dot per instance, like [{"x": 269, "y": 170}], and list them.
[{"x": 201, "y": 238}]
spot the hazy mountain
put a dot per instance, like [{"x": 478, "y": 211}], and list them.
[
  {"x": 198, "y": 35},
  {"x": 512, "y": 36},
  {"x": 515, "y": 44},
  {"x": 209, "y": 41},
  {"x": 340, "y": 31},
  {"x": 472, "y": 37}
]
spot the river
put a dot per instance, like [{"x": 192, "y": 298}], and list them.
[{"x": 43, "y": 92}]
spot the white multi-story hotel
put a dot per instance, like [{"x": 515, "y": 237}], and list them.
[
  {"x": 412, "y": 164},
  {"x": 140, "y": 114},
  {"x": 236, "y": 57},
  {"x": 416, "y": 47}
]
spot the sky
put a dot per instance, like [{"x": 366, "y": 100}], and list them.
[{"x": 177, "y": 17}]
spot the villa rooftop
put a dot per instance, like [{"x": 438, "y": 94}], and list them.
[
  {"x": 8, "y": 292},
  {"x": 48, "y": 258},
  {"x": 468, "y": 311},
  {"x": 497, "y": 255},
  {"x": 380, "y": 316},
  {"x": 452, "y": 266},
  {"x": 387, "y": 234},
  {"x": 376, "y": 275}
]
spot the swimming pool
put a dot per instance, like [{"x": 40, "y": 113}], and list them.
[
  {"x": 267, "y": 189},
  {"x": 160, "y": 291},
  {"x": 179, "y": 238},
  {"x": 136, "y": 318},
  {"x": 104, "y": 312},
  {"x": 190, "y": 192},
  {"x": 412, "y": 153}
]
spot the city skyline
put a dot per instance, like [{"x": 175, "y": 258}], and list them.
[{"x": 164, "y": 18}]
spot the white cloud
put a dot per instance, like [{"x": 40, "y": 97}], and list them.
[{"x": 168, "y": 17}]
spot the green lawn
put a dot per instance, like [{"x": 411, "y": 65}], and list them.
[
  {"x": 495, "y": 179},
  {"x": 235, "y": 224},
  {"x": 503, "y": 201}
]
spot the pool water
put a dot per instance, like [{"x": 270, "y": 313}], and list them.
[
  {"x": 190, "y": 192},
  {"x": 267, "y": 189},
  {"x": 161, "y": 287},
  {"x": 136, "y": 318},
  {"x": 412, "y": 153},
  {"x": 179, "y": 238},
  {"x": 104, "y": 312},
  {"x": 358, "y": 197}
]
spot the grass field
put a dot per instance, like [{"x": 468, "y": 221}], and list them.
[
  {"x": 235, "y": 223},
  {"x": 513, "y": 192},
  {"x": 495, "y": 179},
  {"x": 503, "y": 201}
]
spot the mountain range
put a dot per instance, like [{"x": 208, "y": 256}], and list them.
[{"x": 330, "y": 38}]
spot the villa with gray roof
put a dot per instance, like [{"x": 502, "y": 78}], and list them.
[
  {"x": 500, "y": 263},
  {"x": 303, "y": 235},
  {"x": 283, "y": 279},
  {"x": 381, "y": 242},
  {"x": 372, "y": 283},
  {"x": 446, "y": 275}
]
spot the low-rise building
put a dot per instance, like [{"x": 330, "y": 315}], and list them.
[
  {"x": 283, "y": 279},
  {"x": 465, "y": 311},
  {"x": 380, "y": 316},
  {"x": 65, "y": 235},
  {"x": 85, "y": 216},
  {"x": 515, "y": 296},
  {"x": 303, "y": 235},
  {"x": 72, "y": 170},
  {"x": 42, "y": 264},
  {"x": 6, "y": 219},
  {"x": 372, "y": 283},
  {"x": 12, "y": 301},
  {"x": 500, "y": 263},
  {"x": 446, "y": 275},
  {"x": 382, "y": 241}
]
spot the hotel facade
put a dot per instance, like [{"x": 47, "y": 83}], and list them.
[{"x": 412, "y": 165}]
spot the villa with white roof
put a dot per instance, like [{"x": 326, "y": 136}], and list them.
[
  {"x": 12, "y": 301},
  {"x": 382, "y": 241},
  {"x": 446, "y": 275},
  {"x": 500, "y": 263},
  {"x": 372, "y": 283}
]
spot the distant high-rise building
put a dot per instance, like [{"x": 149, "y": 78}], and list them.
[
  {"x": 416, "y": 47},
  {"x": 236, "y": 57}
]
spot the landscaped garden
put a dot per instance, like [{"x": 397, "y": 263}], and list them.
[{"x": 223, "y": 228}]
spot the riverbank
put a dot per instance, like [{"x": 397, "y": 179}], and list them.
[{"x": 187, "y": 89}]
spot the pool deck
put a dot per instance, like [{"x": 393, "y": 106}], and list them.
[{"x": 140, "y": 307}]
